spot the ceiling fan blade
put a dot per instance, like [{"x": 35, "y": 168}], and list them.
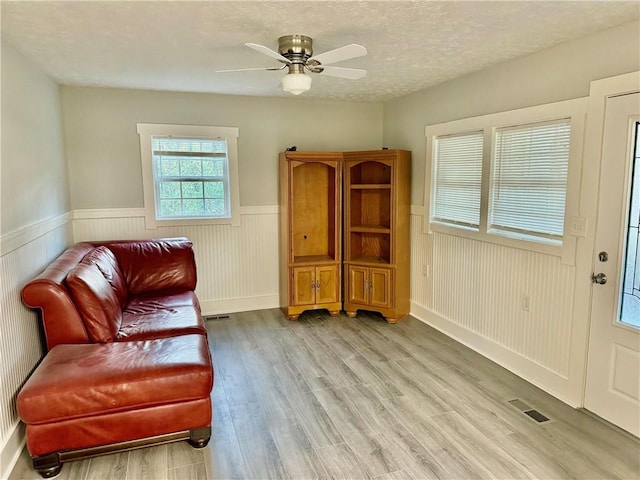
[
  {"x": 270, "y": 69},
  {"x": 350, "y": 73},
  {"x": 339, "y": 54},
  {"x": 267, "y": 51}
]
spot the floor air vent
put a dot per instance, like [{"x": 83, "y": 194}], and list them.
[
  {"x": 527, "y": 410},
  {"x": 537, "y": 416},
  {"x": 217, "y": 317}
]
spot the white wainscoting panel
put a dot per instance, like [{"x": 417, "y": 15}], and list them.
[
  {"x": 237, "y": 266},
  {"x": 20, "y": 343},
  {"x": 474, "y": 291}
]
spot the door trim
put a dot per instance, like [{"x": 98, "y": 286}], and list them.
[{"x": 599, "y": 92}]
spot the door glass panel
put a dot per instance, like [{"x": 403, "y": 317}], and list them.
[{"x": 630, "y": 301}]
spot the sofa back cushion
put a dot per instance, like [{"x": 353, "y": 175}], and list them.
[
  {"x": 105, "y": 260},
  {"x": 155, "y": 265},
  {"x": 97, "y": 302}
]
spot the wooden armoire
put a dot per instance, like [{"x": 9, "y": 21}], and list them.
[{"x": 370, "y": 210}]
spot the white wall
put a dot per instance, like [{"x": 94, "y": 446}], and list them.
[
  {"x": 35, "y": 223},
  {"x": 104, "y": 154},
  {"x": 474, "y": 290},
  {"x": 34, "y": 182}
]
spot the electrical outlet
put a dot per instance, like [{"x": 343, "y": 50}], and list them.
[
  {"x": 425, "y": 271},
  {"x": 526, "y": 302}
]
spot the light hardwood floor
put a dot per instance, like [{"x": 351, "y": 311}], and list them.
[{"x": 356, "y": 398}]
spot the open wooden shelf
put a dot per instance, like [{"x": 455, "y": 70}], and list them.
[
  {"x": 370, "y": 229},
  {"x": 369, "y": 260},
  {"x": 312, "y": 259},
  {"x": 370, "y": 186},
  {"x": 370, "y": 207},
  {"x": 370, "y": 173}
]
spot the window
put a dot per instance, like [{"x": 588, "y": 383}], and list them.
[
  {"x": 509, "y": 178},
  {"x": 189, "y": 174},
  {"x": 458, "y": 160},
  {"x": 529, "y": 180}
]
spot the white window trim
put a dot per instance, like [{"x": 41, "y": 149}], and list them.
[
  {"x": 575, "y": 110},
  {"x": 148, "y": 130}
]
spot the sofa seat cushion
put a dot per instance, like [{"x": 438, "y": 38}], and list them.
[
  {"x": 160, "y": 323},
  {"x": 165, "y": 299},
  {"x": 76, "y": 381},
  {"x": 166, "y": 315}
]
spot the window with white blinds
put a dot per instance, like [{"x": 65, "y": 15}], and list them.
[
  {"x": 529, "y": 179},
  {"x": 189, "y": 174},
  {"x": 191, "y": 177},
  {"x": 458, "y": 179},
  {"x": 510, "y": 178}
]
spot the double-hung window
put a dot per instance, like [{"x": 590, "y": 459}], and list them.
[
  {"x": 189, "y": 174},
  {"x": 529, "y": 175},
  {"x": 509, "y": 178},
  {"x": 457, "y": 192}
]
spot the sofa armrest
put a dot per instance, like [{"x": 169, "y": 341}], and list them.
[{"x": 48, "y": 292}]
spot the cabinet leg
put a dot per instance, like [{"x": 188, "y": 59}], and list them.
[
  {"x": 392, "y": 320},
  {"x": 351, "y": 314},
  {"x": 334, "y": 313},
  {"x": 293, "y": 317}
]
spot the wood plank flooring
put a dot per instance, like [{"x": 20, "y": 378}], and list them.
[{"x": 342, "y": 398}]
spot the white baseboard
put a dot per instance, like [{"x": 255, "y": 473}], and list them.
[
  {"x": 232, "y": 305},
  {"x": 551, "y": 382},
  {"x": 11, "y": 450}
]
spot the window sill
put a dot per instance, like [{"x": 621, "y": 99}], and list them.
[
  {"x": 152, "y": 223},
  {"x": 564, "y": 250}
]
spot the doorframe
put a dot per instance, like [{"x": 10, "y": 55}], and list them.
[{"x": 599, "y": 92}]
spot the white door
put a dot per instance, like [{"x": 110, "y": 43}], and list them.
[{"x": 613, "y": 367}]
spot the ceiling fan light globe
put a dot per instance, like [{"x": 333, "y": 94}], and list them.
[{"x": 296, "y": 83}]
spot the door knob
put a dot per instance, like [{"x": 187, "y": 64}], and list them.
[{"x": 599, "y": 278}]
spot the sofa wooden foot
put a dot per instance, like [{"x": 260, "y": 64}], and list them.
[
  {"x": 48, "y": 466},
  {"x": 199, "y": 438}
]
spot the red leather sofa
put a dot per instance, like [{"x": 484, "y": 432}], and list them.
[{"x": 128, "y": 362}]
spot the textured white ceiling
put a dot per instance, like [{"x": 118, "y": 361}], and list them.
[{"x": 178, "y": 45}]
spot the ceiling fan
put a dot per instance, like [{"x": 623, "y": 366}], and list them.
[{"x": 296, "y": 53}]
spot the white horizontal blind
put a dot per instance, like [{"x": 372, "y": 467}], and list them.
[
  {"x": 457, "y": 179},
  {"x": 529, "y": 179},
  {"x": 191, "y": 177}
]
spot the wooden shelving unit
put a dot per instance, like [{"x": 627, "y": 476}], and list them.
[
  {"x": 377, "y": 186},
  {"x": 310, "y": 232}
]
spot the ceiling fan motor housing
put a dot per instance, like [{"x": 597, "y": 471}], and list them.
[{"x": 296, "y": 48}]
